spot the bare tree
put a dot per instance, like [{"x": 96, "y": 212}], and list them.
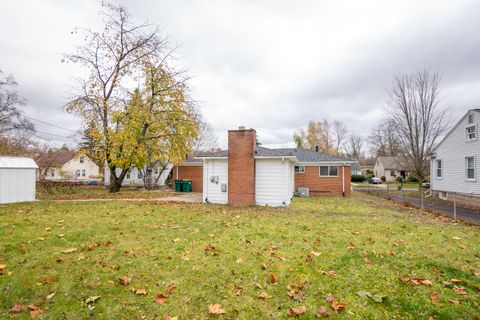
[
  {"x": 328, "y": 138},
  {"x": 415, "y": 115},
  {"x": 384, "y": 141},
  {"x": 206, "y": 140},
  {"x": 340, "y": 133},
  {"x": 11, "y": 117},
  {"x": 354, "y": 146}
]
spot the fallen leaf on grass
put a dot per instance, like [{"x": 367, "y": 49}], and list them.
[
  {"x": 460, "y": 290},
  {"x": 171, "y": 288},
  {"x": 416, "y": 281},
  {"x": 456, "y": 281},
  {"x": 209, "y": 247},
  {"x": 92, "y": 299},
  {"x": 3, "y": 266},
  {"x": 351, "y": 245},
  {"x": 375, "y": 297},
  {"x": 238, "y": 289},
  {"x": 51, "y": 295},
  {"x": 334, "y": 303},
  {"x": 216, "y": 309},
  {"x": 141, "y": 292},
  {"x": 309, "y": 258},
  {"x": 328, "y": 273},
  {"x": 454, "y": 301},
  {"x": 16, "y": 308},
  {"x": 434, "y": 297},
  {"x": 316, "y": 253},
  {"x": 273, "y": 278},
  {"x": 264, "y": 295},
  {"x": 263, "y": 266},
  {"x": 69, "y": 250},
  {"x": 50, "y": 280},
  {"x": 323, "y": 312},
  {"x": 295, "y": 311},
  {"x": 124, "y": 280},
  {"x": 36, "y": 312},
  {"x": 239, "y": 260},
  {"x": 160, "y": 298},
  {"x": 456, "y": 238},
  {"x": 169, "y": 318}
]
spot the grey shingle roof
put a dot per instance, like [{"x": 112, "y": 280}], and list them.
[
  {"x": 302, "y": 155},
  {"x": 395, "y": 163}
]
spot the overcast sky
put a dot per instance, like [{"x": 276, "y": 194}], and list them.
[{"x": 271, "y": 65}]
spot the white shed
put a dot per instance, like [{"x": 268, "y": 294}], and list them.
[{"x": 17, "y": 179}]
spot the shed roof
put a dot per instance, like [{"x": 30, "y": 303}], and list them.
[{"x": 17, "y": 162}]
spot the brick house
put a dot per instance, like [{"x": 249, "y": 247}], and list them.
[
  {"x": 190, "y": 169},
  {"x": 247, "y": 174}
]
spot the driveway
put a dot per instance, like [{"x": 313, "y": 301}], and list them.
[{"x": 190, "y": 197}]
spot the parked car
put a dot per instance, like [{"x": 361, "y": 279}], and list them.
[{"x": 375, "y": 180}]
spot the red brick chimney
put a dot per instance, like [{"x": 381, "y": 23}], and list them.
[{"x": 241, "y": 166}]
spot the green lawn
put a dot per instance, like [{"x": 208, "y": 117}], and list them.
[{"x": 364, "y": 251}]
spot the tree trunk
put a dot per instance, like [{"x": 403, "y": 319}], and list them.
[
  {"x": 420, "y": 184},
  {"x": 116, "y": 182}
]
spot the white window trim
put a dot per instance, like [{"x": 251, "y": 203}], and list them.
[
  {"x": 328, "y": 176},
  {"x": 474, "y": 169},
  {"x": 436, "y": 169},
  {"x": 475, "y": 131},
  {"x": 299, "y": 169}
]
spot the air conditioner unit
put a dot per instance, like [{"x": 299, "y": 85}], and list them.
[{"x": 303, "y": 192}]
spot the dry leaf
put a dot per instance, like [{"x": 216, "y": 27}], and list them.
[
  {"x": 171, "y": 288},
  {"x": 2, "y": 266},
  {"x": 338, "y": 305},
  {"x": 351, "y": 245},
  {"x": 36, "y": 312},
  {"x": 92, "y": 299},
  {"x": 216, "y": 309},
  {"x": 434, "y": 297},
  {"x": 124, "y": 280},
  {"x": 51, "y": 295},
  {"x": 309, "y": 258},
  {"x": 295, "y": 311},
  {"x": 69, "y": 250},
  {"x": 273, "y": 278},
  {"x": 460, "y": 290},
  {"x": 209, "y": 247},
  {"x": 454, "y": 301},
  {"x": 141, "y": 292},
  {"x": 264, "y": 295},
  {"x": 238, "y": 289},
  {"x": 330, "y": 298},
  {"x": 169, "y": 318},
  {"x": 263, "y": 266},
  {"x": 17, "y": 308},
  {"x": 456, "y": 238},
  {"x": 239, "y": 260},
  {"x": 316, "y": 253},
  {"x": 323, "y": 312},
  {"x": 160, "y": 298}
]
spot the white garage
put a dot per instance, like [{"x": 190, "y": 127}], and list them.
[{"x": 17, "y": 179}]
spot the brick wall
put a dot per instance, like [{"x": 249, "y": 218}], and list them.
[
  {"x": 322, "y": 185},
  {"x": 194, "y": 173},
  {"x": 241, "y": 166}
]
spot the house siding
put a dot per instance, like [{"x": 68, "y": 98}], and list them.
[
  {"x": 17, "y": 184},
  {"x": 212, "y": 192},
  {"x": 193, "y": 172},
  {"x": 273, "y": 182},
  {"x": 323, "y": 185},
  {"x": 452, "y": 151}
]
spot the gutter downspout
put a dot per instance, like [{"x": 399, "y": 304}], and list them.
[
  {"x": 343, "y": 180},
  {"x": 177, "y": 171}
]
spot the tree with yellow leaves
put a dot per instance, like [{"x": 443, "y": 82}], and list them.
[{"x": 137, "y": 108}]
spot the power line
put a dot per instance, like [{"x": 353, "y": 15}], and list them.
[
  {"x": 56, "y": 135},
  {"x": 50, "y": 124}
]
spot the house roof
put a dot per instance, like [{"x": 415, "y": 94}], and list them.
[
  {"x": 395, "y": 163},
  {"x": 55, "y": 158},
  {"x": 17, "y": 162},
  {"x": 454, "y": 127},
  {"x": 302, "y": 155}
]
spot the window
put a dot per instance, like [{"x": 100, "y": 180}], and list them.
[
  {"x": 156, "y": 170},
  {"x": 328, "y": 171},
  {"x": 128, "y": 175},
  {"x": 439, "y": 168},
  {"x": 471, "y": 132},
  {"x": 470, "y": 168},
  {"x": 392, "y": 173},
  {"x": 299, "y": 169},
  {"x": 470, "y": 118},
  {"x": 53, "y": 173},
  {"x": 140, "y": 174},
  {"x": 77, "y": 173},
  {"x": 83, "y": 173},
  {"x": 82, "y": 159}
]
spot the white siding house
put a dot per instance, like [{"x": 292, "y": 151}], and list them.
[
  {"x": 17, "y": 179},
  {"x": 134, "y": 177},
  {"x": 215, "y": 181},
  {"x": 274, "y": 182},
  {"x": 455, "y": 162}
]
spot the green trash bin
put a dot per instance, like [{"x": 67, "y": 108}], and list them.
[
  {"x": 178, "y": 185},
  {"x": 187, "y": 185}
]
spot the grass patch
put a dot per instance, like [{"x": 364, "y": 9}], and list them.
[
  {"x": 98, "y": 192},
  {"x": 362, "y": 243}
]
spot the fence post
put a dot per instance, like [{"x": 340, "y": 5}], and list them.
[
  {"x": 421, "y": 191},
  {"x": 455, "y": 206},
  {"x": 388, "y": 192}
]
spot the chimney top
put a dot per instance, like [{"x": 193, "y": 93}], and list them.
[{"x": 241, "y": 128}]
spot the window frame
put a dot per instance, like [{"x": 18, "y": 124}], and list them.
[
  {"x": 439, "y": 177},
  {"x": 82, "y": 159},
  {"x": 328, "y": 170},
  {"x": 303, "y": 171},
  {"x": 84, "y": 173},
  {"x": 468, "y": 168},
  {"x": 393, "y": 173},
  {"x": 474, "y": 126}
]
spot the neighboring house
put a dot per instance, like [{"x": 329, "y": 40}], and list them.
[
  {"x": 391, "y": 168},
  {"x": 356, "y": 169},
  {"x": 456, "y": 160},
  {"x": 17, "y": 179},
  {"x": 367, "y": 166},
  {"x": 135, "y": 178},
  {"x": 66, "y": 165},
  {"x": 247, "y": 174}
]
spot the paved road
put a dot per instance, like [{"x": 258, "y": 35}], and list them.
[{"x": 440, "y": 206}]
